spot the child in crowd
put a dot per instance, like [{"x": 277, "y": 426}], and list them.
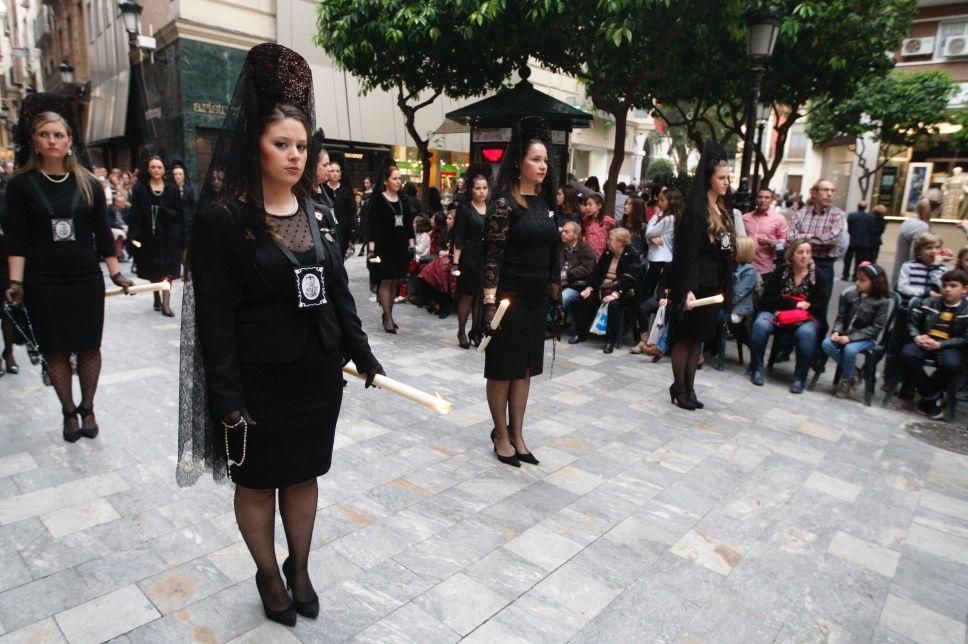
[
  {"x": 595, "y": 224},
  {"x": 421, "y": 229},
  {"x": 745, "y": 280},
  {"x": 860, "y": 319},
  {"x": 938, "y": 328},
  {"x": 921, "y": 276}
]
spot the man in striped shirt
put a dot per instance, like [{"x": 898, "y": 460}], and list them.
[{"x": 822, "y": 223}]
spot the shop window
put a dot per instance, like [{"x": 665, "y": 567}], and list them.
[{"x": 796, "y": 142}]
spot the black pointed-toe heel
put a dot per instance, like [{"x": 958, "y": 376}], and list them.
[
  {"x": 389, "y": 328},
  {"x": 309, "y": 608},
  {"x": 462, "y": 341},
  {"x": 71, "y": 436},
  {"x": 84, "y": 412},
  {"x": 680, "y": 400},
  {"x": 695, "y": 401},
  {"x": 513, "y": 461},
  {"x": 12, "y": 366},
  {"x": 527, "y": 457},
  {"x": 286, "y": 616}
]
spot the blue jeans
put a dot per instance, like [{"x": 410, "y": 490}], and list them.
[
  {"x": 568, "y": 295},
  {"x": 804, "y": 338},
  {"x": 846, "y": 354}
]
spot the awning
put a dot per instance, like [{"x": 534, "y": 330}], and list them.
[{"x": 452, "y": 127}]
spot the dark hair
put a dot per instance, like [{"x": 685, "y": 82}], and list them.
[
  {"x": 410, "y": 189},
  {"x": 597, "y": 198},
  {"x": 592, "y": 182},
  {"x": 382, "y": 178},
  {"x": 677, "y": 203},
  {"x": 421, "y": 224},
  {"x": 146, "y": 160},
  {"x": 955, "y": 275},
  {"x": 878, "y": 278},
  {"x": 633, "y": 220},
  {"x": 281, "y": 112},
  {"x": 571, "y": 203},
  {"x": 528, "y": 131},
  {"x": 434, "y": 201}
]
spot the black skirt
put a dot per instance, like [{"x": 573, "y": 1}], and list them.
[
  {"x": 700, "y": 324},
  {"x": 67, "y": 313},
  {"x": 295, "y": 406},
  {"x": 517, "y": 350},
  {"x": 471, "y": 278}
]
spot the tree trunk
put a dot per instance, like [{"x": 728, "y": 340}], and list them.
[
  {"x": 782, "y": 131},
  {"x": 621, "y": 114},
  {"x": 422, "y": 145},
  {"x": 682, "y": 159}
]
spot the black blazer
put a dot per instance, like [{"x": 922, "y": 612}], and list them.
[
  {"x": 245, "y": 303},
  {"x": 627, "y": 271}
]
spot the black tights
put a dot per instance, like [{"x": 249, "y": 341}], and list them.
[
  {"x": 508, "y": 400},
  {"x": 255, "y": 512},
  {"x": 6, "y": 326},
  {"x": 685, "y": 359},
  {"x": 386, "y": 293},
  {"x": 88, "y": 372},
  {"x": 466, "y": 305}
]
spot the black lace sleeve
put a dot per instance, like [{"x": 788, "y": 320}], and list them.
[{"x": 496, "y": 225}]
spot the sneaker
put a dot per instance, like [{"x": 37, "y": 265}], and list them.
[
  {"x": 844, "y": 388},
  {"x": 796, "y": 387},
  {"x": 399, "y": 298}
]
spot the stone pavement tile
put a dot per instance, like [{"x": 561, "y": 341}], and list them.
[
  {"x": 407, "y": 624},
  {"x": 345, "y": 517},
  {"x": 942, "y": 544},
  {"x": 543, "y": 547},
  {"x": 451, "y": 550},
  {"x": 944, "y": 504},
  {"x": 551, "y": 458},
  {"x": 663, "y": 523},
  {"x": 580, "y": 527},
  {"x": 883, "y": 636},
  {"x": 584, "y": 594},
  {"x": 43, "y": 632},
  {"x": 883, "y": 523},
  {"x": 461, "y": 603},
  {"x": 8, "y": 488},
  {"x": 529, "y": 620},
  {"x": 864, "y": 553},
  {"x": 494, "y": 485},
  {"x": 106, "y": 616},
  {"x": 142, "y": 498},
  {"x": 120, "y": 568},
  {"x": 84, "y": 515},
  {"x": 41, "y": 598},
  {"x": 933, "y": 582},
  {"x": 619, "y": 563},
  {"x": 575, "y": 480},
  {"x": 47, "y": 555},
  {"x": 267, "y": 632},
  {"x": 506, "y": 573},
  {"x": 386, "y": 587},
  {"x": 341, "y": 617},
  {"x": 818, "y": 430},
  {"x": 16, "y": 463},
  {"x": 707, "y": 551},
  {"x": 683, "y": 578},
  {"x": 608, "y": 502},
  {"x": 800, "y": 452},
  {"x": 449, "y": 506},
  {"x": 369, "y": 546},
  {"x": 529, "y": 506},
  {"x": 59, "y": 496},
  {"x": 13, "y": 570},
  {"x": 19, "y": 535},
  {"x": 919, "y": 623},
  {"x": 327, "y": 567},
  {"x": 644, "y": 612},
  {"x": 835, "y": 487},
  {"x": 178, "y": 587},
  {"x": 726, "y": 618},
  {"x": 746, "y": 457},
  {"x": 189, "y": 543},
  {"x": 191, "y": 510},
  {"x": 572, "y": 398},
  {"x": 235, "y": 562}
]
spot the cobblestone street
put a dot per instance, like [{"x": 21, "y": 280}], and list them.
[{"x": 766, "y": 517}]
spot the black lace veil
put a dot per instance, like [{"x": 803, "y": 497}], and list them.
[
  {"x": 30, "y": 108},
  {"x": 526, "y": 131},
  {"x": 271, "y": 75}
]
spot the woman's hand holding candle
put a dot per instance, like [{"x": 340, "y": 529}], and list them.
[
  {"x": 705, "y": 301},
  {"x": 495, "y": 322},
  {"x": 435, "y": 402}
]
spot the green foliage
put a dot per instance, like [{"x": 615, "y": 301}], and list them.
[
  {"x": 959, "y": 140},
  {"x": 660, "y": 168}
]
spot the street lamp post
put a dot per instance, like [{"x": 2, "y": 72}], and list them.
[
  {"x": 762, "y": 28},
  {"x": 66, "y": 74},
  {"x": 130, "y": 10}
]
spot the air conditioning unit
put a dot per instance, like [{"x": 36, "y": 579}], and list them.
[
  {"x": 955, "y": 47},
  {"x": 917, "y": 47}
]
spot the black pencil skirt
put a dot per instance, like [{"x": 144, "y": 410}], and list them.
[{"x": 517, "y": 350}]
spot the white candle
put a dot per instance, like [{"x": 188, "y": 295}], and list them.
[
  {"x": 136, "y": 243},
  {"x": 435, "y": 402},
  {"x": 706, "y": 301},
  {"x": 375, "y": 260},
  {"x": 140, "y": 288},
  {"x": 495, "y": 323}
]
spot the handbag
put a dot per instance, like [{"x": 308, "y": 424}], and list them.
[
  {"x": 600, "y": 324},
  {"x": 792, "y": 317},
  {"x": 656, "y": 332}
]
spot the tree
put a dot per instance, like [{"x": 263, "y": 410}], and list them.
[
  {"x": 826, "y": 49},
  {"x": 420, "y": 51},
  {"x": 896, "y": 111}
]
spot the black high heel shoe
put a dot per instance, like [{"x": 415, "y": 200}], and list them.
[
  {"x": 12, "y": 367},
  {"x": 391, "y": 328},
  {"x": 476, "y": 337},
  {"x": 680, "y": 400},
  {"x": 286, "y": 616},
  {"x": 513, "y": 461},
  {"x": 309, "y": 608},
  {"x": 462, "y": 341},
  {"x": 71, "y": 436},
  {"x": 526, "y": 457},
  {"x": 695, "y": 401},
  {"x": 84, "y": 412}
]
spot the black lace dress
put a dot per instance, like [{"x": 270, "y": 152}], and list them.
[
  {"x": 521, "y": 255},
  {"x": 468, "y": 237},
  {"x": 158, "y": 224}
]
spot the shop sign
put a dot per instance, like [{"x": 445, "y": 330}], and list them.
[
  {"x": 208, "y": 107},
  {"x": 353, "y": 155},
  {"x": 492, "y": 135}
]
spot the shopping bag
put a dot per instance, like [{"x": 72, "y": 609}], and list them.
[
  {"x": 600, "y": 325},
  {"x": 656, "y": 332}
]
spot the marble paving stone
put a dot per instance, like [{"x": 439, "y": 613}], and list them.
[
  {"x": 933, "y": 582},
  {"x": 79, "y": 517},
  {"x": 803, "y": 453},
  {"x": 920, "y": 624},
  {"x": 944, "y": 504},
  {"x": 544, "y": 548},
  {"x": 818, "y": 430},
  {"x": 572, "y": 587},
  {"x": 405, "y": 625},
  {"x": 189, "y": 543},
  {"x": 268, "y": 632},
  {"x": 939, "y": 543},
  {"x": 16, "y": 463},
  {"x": 178, "y": 587},
  {"x": 42, "y": 598},
  {"x": 506, "y": 573},
  {"x": 13, "y": 570},
  {"x": 682, "y": 577},
  {"x": 120, "y": 568},
  {"x": 43, "y": 632},
  {"x": 727, "y": 619},
  {"x": 864, "y": 553},
  {"x": 575, "y": 480},
  {"x": 572, "y": 398},
  {"x": 107, "y": 616},
  {"x": 447, "y": 602},
  {"x": 642, "y": 613},
  {"x": 529, "y": 620},
  {"x": 387, "y": 586},
  {"x": 452, "y": 549},
  {"x": 706, "y": 551},
  {"x": 60, "y": 496},
  {"x": 837, "y": 488},
  {"x": 579, "y": 527}
]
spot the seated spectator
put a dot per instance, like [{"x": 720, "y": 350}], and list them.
[
  {"x": 595, "y": 224},
  {"x": 938, "y": 328},
  {"x": 613, "y": 283},
  {"x": 861, "y": 317},
  {"x": 437, "y": 282},
  {"x": 794, "y": 286},
  {"x": 118, "y": 222},
  {"x": 745, "y": 280},
  {"x": 921, "y": 276},
  {"x": 647, "y": 309},
  {"x": 577, "y": 263},
  {"x": 421, "y": 229}
]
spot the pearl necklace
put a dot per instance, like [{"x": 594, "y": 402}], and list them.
[
  {"x": 157, "y": 193},
  {"x": 53, "y": 180},
  {"x": 292, "y": 209}
]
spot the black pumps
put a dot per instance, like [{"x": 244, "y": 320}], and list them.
[{"x": 309, "y": 608}]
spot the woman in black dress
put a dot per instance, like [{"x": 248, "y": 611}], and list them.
[
  {"x": 6, "y": 325},
  {"x": 271, "y": 305},
  {"x": 157, "y": 229},
  {"x": 702, "y": 266},
  {"x": 469, "y": 254},
  {"x": 188, "y": 196},
  {"x": 391, "y": 239},
  {"x": 58, "y": 229},
  {"x": 521, "y": 248}
]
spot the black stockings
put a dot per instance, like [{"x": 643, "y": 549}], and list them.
[
  {"x": 465, "y": 306},
  {"x": 255, "y": 512},
  {"x": 7, "y": 327},
  {"x": 88, "y": 372},
  {"x": 386, "y": 294},
  {"x": 685, "y": 359},
  {"x": 508, "y": 400}
]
